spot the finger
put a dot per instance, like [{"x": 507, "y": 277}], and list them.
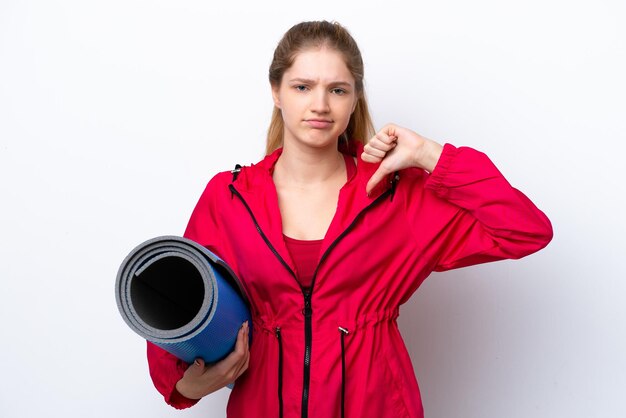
[
  {"x": 247, "y": 360},
  {"x": 235, "y": 356},
  {"x": 241, "y": 344},
  {"x": 380, "y": 174},
  {"x": 246, "y": 342},
  {"x": 246, "y": 346},
  {"x": 389, "y": 130},
  {"x": 228, "y": 368},
  {"x": 196, "y": 368},
  {"x": 385, "y": 139},
  {"x": 370, "y": 158},
  {"x": 243, "y": 365},
  {"x": 374, "y": 151},
  {"x": 382, "y": 142}
]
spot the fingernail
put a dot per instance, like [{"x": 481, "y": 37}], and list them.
[{"x": 197, "y": 362}]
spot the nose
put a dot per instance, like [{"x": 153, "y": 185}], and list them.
[{"x": 319, "y": 102}]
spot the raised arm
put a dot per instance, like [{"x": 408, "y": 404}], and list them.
[{"x": 469, "y": 213}]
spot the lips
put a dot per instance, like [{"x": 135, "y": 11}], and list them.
[{"x": 318, "y": 123}]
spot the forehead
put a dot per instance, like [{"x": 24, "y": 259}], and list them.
[{"x": 319, "y": 64}]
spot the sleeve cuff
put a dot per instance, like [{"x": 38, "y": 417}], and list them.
[
  {"x": 436, "y": 180},
  {"x": 179, "y": 401}
]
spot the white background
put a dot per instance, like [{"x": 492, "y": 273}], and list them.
[{"x": 114, "y": 115}]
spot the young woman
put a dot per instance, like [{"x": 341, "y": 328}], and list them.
[{"x": 330, "y": 234}]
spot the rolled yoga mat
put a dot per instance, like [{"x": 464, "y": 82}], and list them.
[{"x": 180, "y": 296}]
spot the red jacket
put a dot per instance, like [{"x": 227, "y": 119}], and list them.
[{"x": 340, "y": 345}]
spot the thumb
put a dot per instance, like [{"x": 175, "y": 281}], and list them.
[
  {"x": 380, "y": 174},
  {"x": 197, "y": 367}
]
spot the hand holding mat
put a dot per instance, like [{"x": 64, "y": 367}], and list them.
[{"x": 180, "y": 296}]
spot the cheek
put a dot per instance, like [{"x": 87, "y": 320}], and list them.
[
  {"x": 346, "y": 112},
  {"x": 289, "y": 115},
  {"x": 290, "y": 104}
]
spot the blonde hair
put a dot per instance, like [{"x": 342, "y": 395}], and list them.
[{"x": 306, "y": 35}]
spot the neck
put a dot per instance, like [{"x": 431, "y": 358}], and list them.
[{"x": 307, "y": 166}]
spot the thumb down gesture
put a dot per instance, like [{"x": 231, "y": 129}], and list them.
[{"x": 397, "y": 148}]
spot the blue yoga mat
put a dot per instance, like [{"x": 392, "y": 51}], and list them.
[{"x": 180, "y": 296}]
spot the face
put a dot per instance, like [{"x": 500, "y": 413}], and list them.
[{"x": 316, "y": 97}]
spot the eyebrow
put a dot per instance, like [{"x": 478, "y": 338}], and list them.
[{"x": 309, "y": 81}]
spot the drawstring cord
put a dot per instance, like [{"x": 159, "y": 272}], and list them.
[
  {"x": 343, "y": 332},
  {"x": 235, "y": 174},
  {"x": 280, "y": 373}
]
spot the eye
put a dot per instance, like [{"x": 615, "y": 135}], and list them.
[
  {"x": 338, "y": 91},
  {"x": 300, "y": 87}
]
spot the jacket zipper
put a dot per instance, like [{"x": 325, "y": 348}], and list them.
[
  {"x": 308, "y": 309},
  {"x": 308, "y": 340}
]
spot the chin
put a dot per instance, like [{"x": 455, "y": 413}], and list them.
[
  {"x": 316, "y": 140},
  {"x": 322, "y": 142}
]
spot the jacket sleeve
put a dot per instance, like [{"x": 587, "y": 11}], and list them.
[
  {"x": 165, "y": 371},
  {"x": 480, "y": 217},
  {"x": 165, "y": 368}
]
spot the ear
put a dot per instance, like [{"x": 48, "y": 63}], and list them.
[{"x": 275, "y": 96}]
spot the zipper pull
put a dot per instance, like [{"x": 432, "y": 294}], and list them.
[
  {"x": 277, "y": 332},
  {"x": 307, "y": 311}
]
